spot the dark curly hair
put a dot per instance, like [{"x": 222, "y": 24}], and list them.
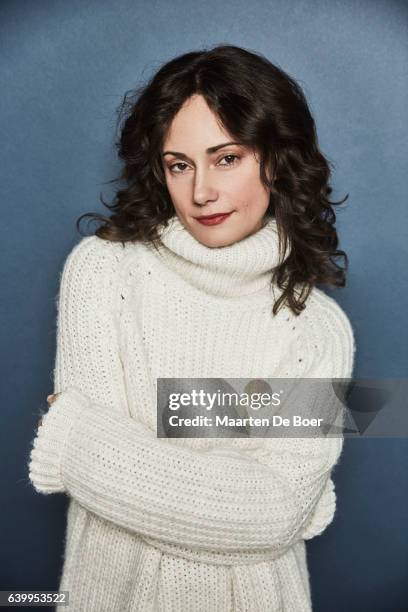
[{"x": 263, "y": 107}]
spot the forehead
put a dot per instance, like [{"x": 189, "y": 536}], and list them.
[{"x": 195, "y": 126}]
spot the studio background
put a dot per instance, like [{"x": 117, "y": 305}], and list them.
[{"x": 65, "y": 67}]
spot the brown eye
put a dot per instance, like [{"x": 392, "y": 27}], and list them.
[
  {"x": 171, "y": 168},
  {"x": 235, "y": 158}
]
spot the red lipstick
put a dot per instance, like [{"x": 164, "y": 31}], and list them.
[{"x": 213, "y": 219}]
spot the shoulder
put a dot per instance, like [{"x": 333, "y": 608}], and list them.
[
  {"x": 92, "y": 269},
  {"x": 330, "y": 335},
  {"x": 93, "y": 253}
]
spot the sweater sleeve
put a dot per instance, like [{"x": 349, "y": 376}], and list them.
[
  {"x": 331, "y": 345},
  {"x": 87, "y": 353},
  {"x": 324, "y": 512},
  {"x": 115, "y": 466},
  {"x": 336, "y": 361}
]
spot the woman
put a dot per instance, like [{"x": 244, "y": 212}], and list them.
[{"x": 161, "y": 291}]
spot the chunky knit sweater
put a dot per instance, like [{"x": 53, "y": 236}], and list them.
[{"x": 193, "y": 524}]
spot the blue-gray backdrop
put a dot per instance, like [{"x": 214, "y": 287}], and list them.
[{"x": 64, "y": 69}]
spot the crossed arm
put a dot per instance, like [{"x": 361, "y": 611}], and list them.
[{"x": 113, "y": 465}]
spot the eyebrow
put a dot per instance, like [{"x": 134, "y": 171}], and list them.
[{"x": 208, "y": 151}]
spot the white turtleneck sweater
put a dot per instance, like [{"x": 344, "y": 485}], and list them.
[{"x": 186, "y": 525}]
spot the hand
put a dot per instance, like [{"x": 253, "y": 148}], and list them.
[{"x": 50, "y": 399}]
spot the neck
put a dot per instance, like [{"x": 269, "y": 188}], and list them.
[{"x": 242, "y": 268}]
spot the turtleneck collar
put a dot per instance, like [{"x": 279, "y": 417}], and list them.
[{"x": 242, "y": 268}]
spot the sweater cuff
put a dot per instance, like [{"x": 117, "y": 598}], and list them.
[
  {"x": 323, "y": 514},
  {"x": 48, "y": 445}
]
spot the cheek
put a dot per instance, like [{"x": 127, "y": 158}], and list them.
[
  {"x": 178, "y": 190},
  {"x": 248, "y": 180},
  {"x": 250, "y": 192}
]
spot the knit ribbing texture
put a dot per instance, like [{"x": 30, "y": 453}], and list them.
[{"x": 193, "y": 525}]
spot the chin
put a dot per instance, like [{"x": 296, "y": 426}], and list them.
[{"x": 214, "y": 241}]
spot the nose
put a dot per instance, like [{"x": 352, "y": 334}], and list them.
[{"x": 204, "y": 191}]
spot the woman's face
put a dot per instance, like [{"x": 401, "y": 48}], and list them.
[{"x": 203, "y": 181}]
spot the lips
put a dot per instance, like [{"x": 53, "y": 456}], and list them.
[
  {"x": 214, "y": 215},
  {"x": 213, "y": 219}
]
